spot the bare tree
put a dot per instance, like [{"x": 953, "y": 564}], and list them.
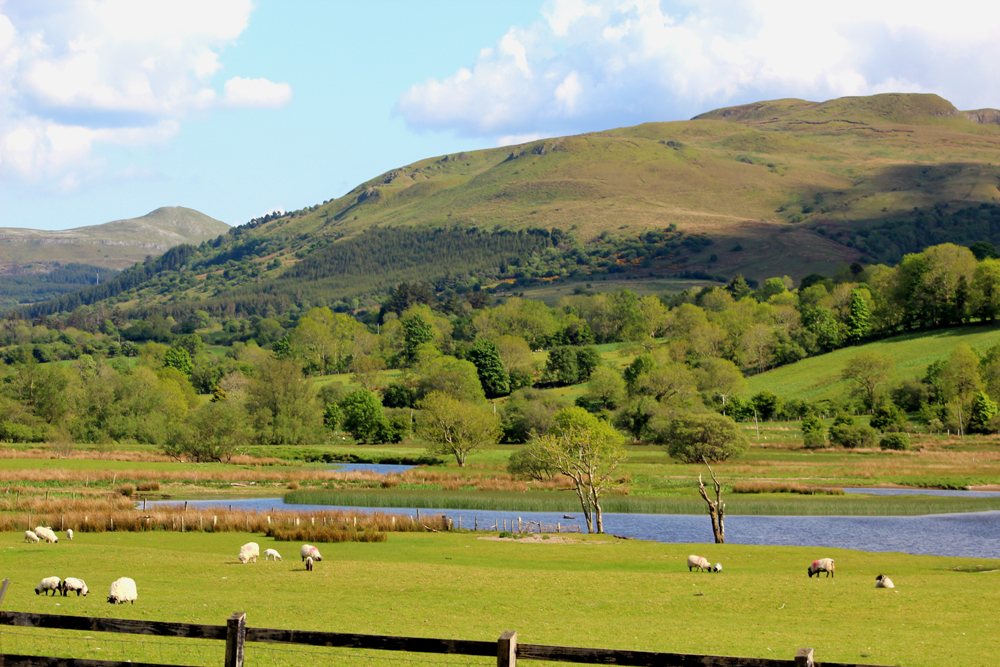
[{"x": 716, "y": 508}]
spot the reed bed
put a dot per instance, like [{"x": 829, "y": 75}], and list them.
[
  {"x": 758, "y": 486},
  {"x": 325, "y": 534},
  {"x": 788, "y": 504},
  {"x": 99, "y": 518}
]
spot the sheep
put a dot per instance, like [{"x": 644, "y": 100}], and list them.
[
  {"x": 249, "y": 552},
  {"x": 717, "y": 567},
  {"x": 882, "y": 581},
  {"x": 29, "y": 536},
  {"x": 73, "y": 584},
  {"x": 271, "y": 554},
  {"x": 821, "y": 565},
  {"x": 310, "y": 551},
  {"x": 48, "y": 584},
  {"x": 698, "y": 562},
  {"x": 69, "y": 534},
  {"x": 309, "y": 563},
  {"x": 122, "y": 591},
  {"x": 46, "y": 534}
]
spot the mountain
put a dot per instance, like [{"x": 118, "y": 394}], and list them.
[
  {"x": 783, "y": 187},
  {"x": 113, "y": 245}
]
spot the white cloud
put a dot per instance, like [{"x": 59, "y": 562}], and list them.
[
  {"x": 120, "y": 72},
  {"x": 242, "y": 92},
  {"x": 593, "y": 64},
  {"x": 514, "y": 139}
]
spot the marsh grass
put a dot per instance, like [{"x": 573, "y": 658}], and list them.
[
  {"x": 756, "y": 486},
  {"x": 762, "y": 504}
]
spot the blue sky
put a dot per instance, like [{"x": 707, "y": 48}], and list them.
[{"x": 112, "y": 108}]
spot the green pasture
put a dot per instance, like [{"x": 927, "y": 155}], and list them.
[
  {"x": 593, "y": 591},
  {"x": 818, "y": 378}
]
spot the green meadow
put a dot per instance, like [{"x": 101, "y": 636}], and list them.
[
  {"x": 818, "y": 378},
  {"x": 589, "y": 591}
]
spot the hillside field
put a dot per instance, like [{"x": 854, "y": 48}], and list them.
[
  {"x": 586, "y": 591},
  {"x": 818, "y": 378}
]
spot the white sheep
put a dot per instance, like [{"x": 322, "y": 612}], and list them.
[
  {"x": 882, "y": 581},
  {"x": 122, "y": 591},
  {"x": 29, "y": 536},
  {"x": 46, "y": 534},
  {"x": 309, "y": 563},
  {"x": 821, "y": 565},
  {"x": 271, "y": 554},
  {"x": 249, "y": 552},
  {"x": 308, "y": 551},
  {"x": 69, "y": 534},
  {"x": 48, "y": 584},
  {"x": 698, "y": 562},
  {"x": 717, "y": 567},
  {"x": 70, "y": 584}
]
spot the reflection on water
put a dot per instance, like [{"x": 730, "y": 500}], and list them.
[
  {"x": 377, "y": 468},
  {"x": 975, "y": 534}
]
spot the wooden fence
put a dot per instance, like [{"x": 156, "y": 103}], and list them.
[{"x": 236, "y": 633}]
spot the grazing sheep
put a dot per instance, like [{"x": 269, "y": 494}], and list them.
[
  {"x": 698, "y": 562},
  {"x": 882, "y": 581},
  {"x": 29, "y": 536},
  {"x": 271, "y": 554},
  {"x": 69, "y": 534},
  {"x": 46, "y": 534},
  {"x": 309, "y": 563},
  {"x": 48, "y": 584},
  {"x": 821, "y": 565},
  {"x": 308, "y": 551},
  {"x": 70, "y": 584},
  {"x": 717, "y": 567},
  {"x": 122, "y": 591},
  {"x": 249, "y": 552}
]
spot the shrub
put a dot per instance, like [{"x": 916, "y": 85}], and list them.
[
  {"x": 523, "y": 465},
  {"x": 693, "y": 436},
  {"x": 888, "y": 418},
  {"x": 813, "y": 433},
  {"x": 851, "y": 435},
  {"x": 126, "y": 490},
  {"x": 896, "y": 441}
]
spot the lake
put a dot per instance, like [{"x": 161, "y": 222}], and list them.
[{"x": 975, "y": 534}]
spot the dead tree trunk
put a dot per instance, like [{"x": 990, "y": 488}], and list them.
[{"x": 716, "y": 508}]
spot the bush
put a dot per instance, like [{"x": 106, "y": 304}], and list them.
[
  {"x": 691, "y": 437},
  {"x": 888, "y": 418},
  {"x": 896, "y": 441},
  {"x": 813, "y": 433},
  {"x": 852, "y": 435},
  {"x": 523, "y": 465},
  {"x": 126, "y": 490}
]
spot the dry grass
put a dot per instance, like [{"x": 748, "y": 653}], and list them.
[
  {"x": 756, "y": 486},
  {"x": 119, "y": 455},
  {"x": 325, "y": 534}
]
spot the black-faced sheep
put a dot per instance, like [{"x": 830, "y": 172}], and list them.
[
  {"x": 48, "y": 584},
  {"x": 309, "y": 563},
  {"x": 309, "y": 551},
  {"x": 882, "y": 581},
  {"x": 821, "y": 565},
  {"x": 71, "y": 584},
  {"x": 717, "y": 567},
  {"x": 249, "y": 552},
  {"x": 271, "y": 554},
  {"x": 698, "y": 562},
  {"x": 69, "y": 534},
  {"x": 122, "y": 591},
  {"x": 30, "y": 536}
]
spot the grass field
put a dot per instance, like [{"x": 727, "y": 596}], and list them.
[
  {"x": 593, "y": 591},
  {"x": 818, "y": 378}
]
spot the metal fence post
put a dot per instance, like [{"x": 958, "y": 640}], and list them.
[
  {"x": 236, "y": 632},
  {"x": 507, "y": 649}
]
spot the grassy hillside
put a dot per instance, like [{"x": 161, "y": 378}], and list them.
[
  {"x": 818, "y": 378},
  {"x": 781, "y": 187},
  {"x": 114, "y": 245}
]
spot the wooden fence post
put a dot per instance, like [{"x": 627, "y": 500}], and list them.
[
  {"x": 804, "y": 658},
  {"x": 3, "y": 588},
  {"x": 236, "y": 632},
  {"x": 507, "y": 649}
]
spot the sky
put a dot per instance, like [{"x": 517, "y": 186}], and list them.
[{"x": 110, "y": 109}]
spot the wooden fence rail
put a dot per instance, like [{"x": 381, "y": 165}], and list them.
[{"x": 236, "y": 633}]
